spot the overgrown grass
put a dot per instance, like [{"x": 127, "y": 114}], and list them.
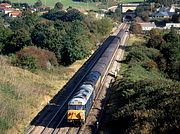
[
  {"x": 66, "y": 3},
  {"x": 23, "y": 93},
  {"x": 135, "y": 39}
]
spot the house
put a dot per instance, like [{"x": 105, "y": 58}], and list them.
[
  {"x": 164, "y": 12},
  {"x": 83, "y": 11},
  {"x": 100, "y": 15},
  {"x": 7, "y": 10},
  {"x": 169, "y": 25},
  {"x": 15, "y": 13},
  {"x": 6, "y": 5},
  {"x": 43, "y": 8},
  {"x": 147, "y": 26}
]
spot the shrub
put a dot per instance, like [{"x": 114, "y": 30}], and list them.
[
  {"x": 27, "y": 61},
  {"x": 32, "y": 58},
  {"x": 140, "y": 53},
  {"x": 136, "y": 28},
  {"x": 150, "y": 65}
]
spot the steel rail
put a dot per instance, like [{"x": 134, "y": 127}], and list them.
[{"x": 105, "y": 75}]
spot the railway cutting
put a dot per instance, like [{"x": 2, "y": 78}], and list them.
[{"x": 73, "y": 109}]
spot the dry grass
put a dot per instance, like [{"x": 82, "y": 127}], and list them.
[
  {"x": 23, "y": 93},
  {"x": 135, "y": 39}
]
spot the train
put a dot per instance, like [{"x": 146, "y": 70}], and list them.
[{"x": 80, "y": 104}]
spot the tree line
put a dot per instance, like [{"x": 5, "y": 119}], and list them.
[
  {"x": 69, "y": 35},
  {"x": 165, "y": 2}
]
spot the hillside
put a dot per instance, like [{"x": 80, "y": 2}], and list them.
[{"x": 23, "y": 93}]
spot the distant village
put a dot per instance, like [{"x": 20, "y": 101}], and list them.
[
  {"x": 162, "y": 12},
  {"x": 8, "y": 10}
]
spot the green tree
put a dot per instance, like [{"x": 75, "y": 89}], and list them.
[
  {"x": 27, "y": 62},
  {"x": 73, "y": 15},
  {"x": 17, "y": 40},
  {"x": 58, "y": 6},
  {"x": 29, "y": 18},
  {"x": 136, "y": 28},
  {"x": 172, "y": 36},
  {"x": 4, "y": 34},
  {"x": 38, "y": 3},
  {"x": 104, "y": 26},
  {"x": 118, "y": 13},
  {"x": 76, "y": 44},
  {"x": 44, "y": 35}
]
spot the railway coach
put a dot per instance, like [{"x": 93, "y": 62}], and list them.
[{"x": 82, "y": 101}]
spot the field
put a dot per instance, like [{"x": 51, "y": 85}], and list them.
[
  {"x": 66, "y": 3},
  {"x": 23, "y": 93},
  {"x": 126, "y": 1}
]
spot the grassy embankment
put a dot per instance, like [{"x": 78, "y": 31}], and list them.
[
  {"x": 23, "y": 93},
  {"x": 143, "y": 100}
]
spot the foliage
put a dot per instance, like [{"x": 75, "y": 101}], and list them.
[
  {"x": 4, "y": 34},
  {"x": 144, "y": 16},
  {"x": 32, "y": 58},
  {"x": 64, "y": 33},
  {"x": 165, "y": 2},
  {"x": 26, "y": 21},
  {"x": 38, "y": 3},
  {"x": 147, "y": 98},
  {"x": 58, "y": 6},
  {"x": 77, "y": 44},
  {"x": 171, "y": 57},
  {"x": 69, "y": 43},
  {"x": 176, "y": 18},
  {"x": 117, "y": 15},
  {"x": 70, "y": 15},
  {"x": 146, "y": 106},
  {"x": 26, "y": 62},
  {"x": 17, "y": 40},
  {"x": 172, "y": 36},
  {"x": 135, "y": 28},
  {"x": 140, "y": 53}
]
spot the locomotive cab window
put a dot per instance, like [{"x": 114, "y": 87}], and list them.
[{"x": 75, "y": 107}]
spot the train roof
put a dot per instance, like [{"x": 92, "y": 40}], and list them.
[{"x": 82, "y": 96}]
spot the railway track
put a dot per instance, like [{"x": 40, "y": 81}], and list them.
[
  {"x": 98, "y": 107},
  {"x": 52, "y": 117}
]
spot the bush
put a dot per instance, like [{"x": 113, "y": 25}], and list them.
[
  {"x": 140, "y": 53},
  {"x": 27, "y": 61},
  {"x": 136, "y": 28},
  {"x": 150, "y": 65},
  {"x": 32, "y": 58}
]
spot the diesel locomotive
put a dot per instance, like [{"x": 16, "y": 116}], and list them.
[{"x": 82, "y": 101}]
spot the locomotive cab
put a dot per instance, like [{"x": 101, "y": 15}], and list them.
[{"x": 77, "y": 106}]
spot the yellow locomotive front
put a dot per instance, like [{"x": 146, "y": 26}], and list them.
[{"x": 76, "y": 111}]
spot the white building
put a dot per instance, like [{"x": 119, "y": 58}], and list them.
[
  {"x": 147, "y": 26},
  {"x": 169, "y": 25}
]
